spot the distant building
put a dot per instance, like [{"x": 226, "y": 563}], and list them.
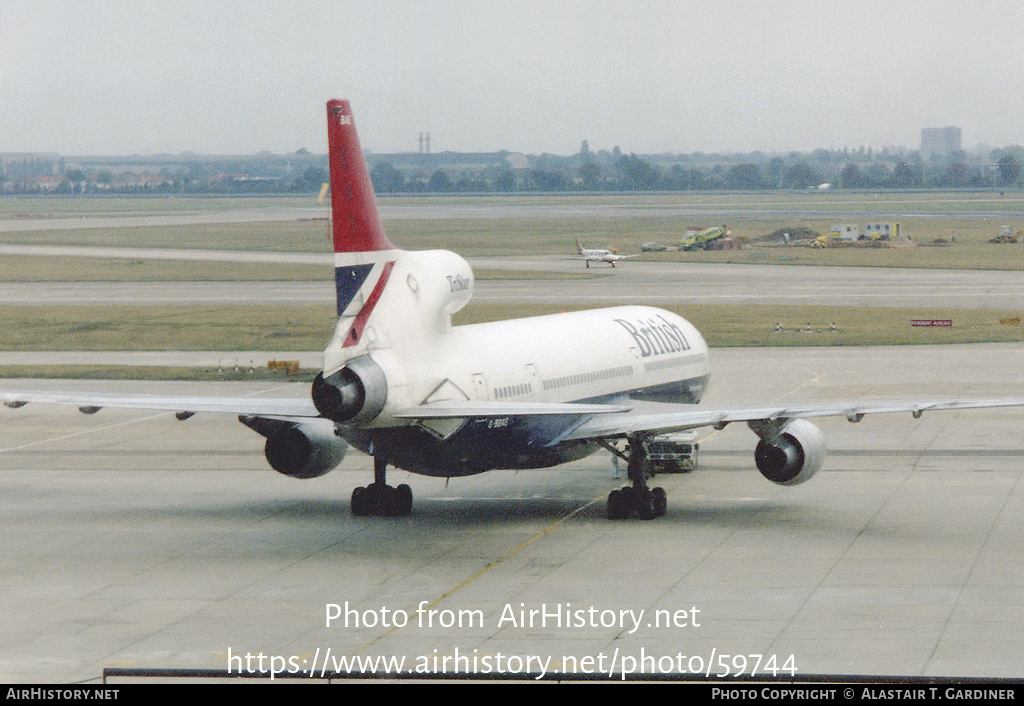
[
  {"x": 846, "y": 231},
  {"x": 882, "y": 231},
  {"x": 851, "y": 232},
  {"x": 940, "y": 142}
]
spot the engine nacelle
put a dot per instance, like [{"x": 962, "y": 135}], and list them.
[
  {"x": 792, "y": 455},
  {"x": 354, "y": 394},
  {"x": 299, "y": 449}
]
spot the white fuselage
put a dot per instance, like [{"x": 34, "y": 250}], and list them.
[
  {"x": 600, "y": 256},
  {"x": 604, "y": 355},
  {"x": 575, "y": 356}
]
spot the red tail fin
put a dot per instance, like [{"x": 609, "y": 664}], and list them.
[{"x": 356, "y": 223}]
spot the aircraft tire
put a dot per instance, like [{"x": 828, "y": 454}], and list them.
[
  {"x": 401, "y": 501},
  {"x": 360, "y": 502},
  {"x": 646, "y": 506},
  {"x": 660, "y": 501},
  {"x": 619, "y": 505},
  {"x": 381, "y": 500}
]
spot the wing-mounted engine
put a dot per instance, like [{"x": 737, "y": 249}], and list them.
[
  {"x": 790, "y": 451},
  {"x": 307, "y": 449}
]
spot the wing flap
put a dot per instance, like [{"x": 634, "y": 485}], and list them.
[
  {"x": 91, "y": 401},
  {"x": 293, "y": 407},
  {"x": 468, "y": 409},
  {"x": 655, "y": 418}
]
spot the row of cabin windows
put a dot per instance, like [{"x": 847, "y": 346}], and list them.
[
  {"x": 665, "y": 363},
  {"x": 582, "y": 378},
  {"x": 512, "y": 391}
]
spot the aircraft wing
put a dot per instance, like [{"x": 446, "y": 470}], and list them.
[
  {"x": 472, "y": 409},
  {"x": 294, "y": 407},
  {"x": 94, "y": 401},
  {"x": 600, "y": 420},
  {"x": 658, "y": 418}
]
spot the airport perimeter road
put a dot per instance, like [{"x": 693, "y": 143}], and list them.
[
  {"x": 130, "y": 539},
  {"x": 658, "y": 284}
]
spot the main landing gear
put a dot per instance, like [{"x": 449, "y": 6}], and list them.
[
  {"x": 379, "y": 498},
  {"x": 637, "y": 499}
]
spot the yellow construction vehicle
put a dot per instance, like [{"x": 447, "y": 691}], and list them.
[{"x": 1007, "y": 234}]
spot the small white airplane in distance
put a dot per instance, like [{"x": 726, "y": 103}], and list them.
[
  {"x": 589, "y": 255},
  {"x": 403, "y": 385}
]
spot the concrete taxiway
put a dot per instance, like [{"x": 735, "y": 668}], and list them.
[{"x": 130, "y": 539}]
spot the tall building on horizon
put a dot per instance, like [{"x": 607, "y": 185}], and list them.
[{"x": 939, "y": 142}]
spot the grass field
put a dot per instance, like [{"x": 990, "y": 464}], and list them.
[
  {"x": 157, "y": 328},
  {"x": 488, "y": 238},
  {"x": 869, "y": 203},
  {"x": 33, "y": 268},
  {"x": 146, "y": 372},
  {"x": 518, "y": 225},
  {"x": 538, "y": 225},
  {"x": 308, "y": 328}
]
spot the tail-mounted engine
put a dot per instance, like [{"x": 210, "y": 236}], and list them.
[
  {"x": 788, "y": 453},
  {"x": 299, "y": 449},
  {"x": 355, "y": 394}
]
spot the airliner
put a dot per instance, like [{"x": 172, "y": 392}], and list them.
[
  {"x": 591, "y": 255},
  {"x": 403, "y": 385}
]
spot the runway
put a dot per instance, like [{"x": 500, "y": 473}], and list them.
[
  {"x": 134, "y": 540},
  {"x": 654, "y": 283}
]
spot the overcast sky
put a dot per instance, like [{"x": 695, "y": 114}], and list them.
[{"x": 228, "y": 77}]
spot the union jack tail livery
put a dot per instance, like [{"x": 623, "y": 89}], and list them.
[{"x": 381, "y": 290}]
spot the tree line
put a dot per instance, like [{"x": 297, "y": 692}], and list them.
[
  {"x": 636, "y": 173},
  {"x": 585, "y": 171}
]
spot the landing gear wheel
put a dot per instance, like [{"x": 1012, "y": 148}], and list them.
[
  {"x": 651, "y": 504},
  {"x": 360, "y": 502},
  {"x": 645, "y": 509},
  {"x": 637, "y": 499},
  {"x": 382, "y": 500},
  {"x": 379, "y": 498},
  {"x": 660, "y": 501},
  {"x": 619, "y": 504},
  {"x": 645, "y": 504},
  {"x": 398, "y": 501}
]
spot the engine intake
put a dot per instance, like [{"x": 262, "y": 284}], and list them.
[
  {"x": 299, "y": 449},
  {"x": 354, "y": 394},
  {"x": 792, "y": 454}
]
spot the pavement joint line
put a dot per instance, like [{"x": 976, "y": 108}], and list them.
[
  {"x": 93, "y": 430},
  {"x": 509, "y": 554},
  {"x": 956, "y": 604}
]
